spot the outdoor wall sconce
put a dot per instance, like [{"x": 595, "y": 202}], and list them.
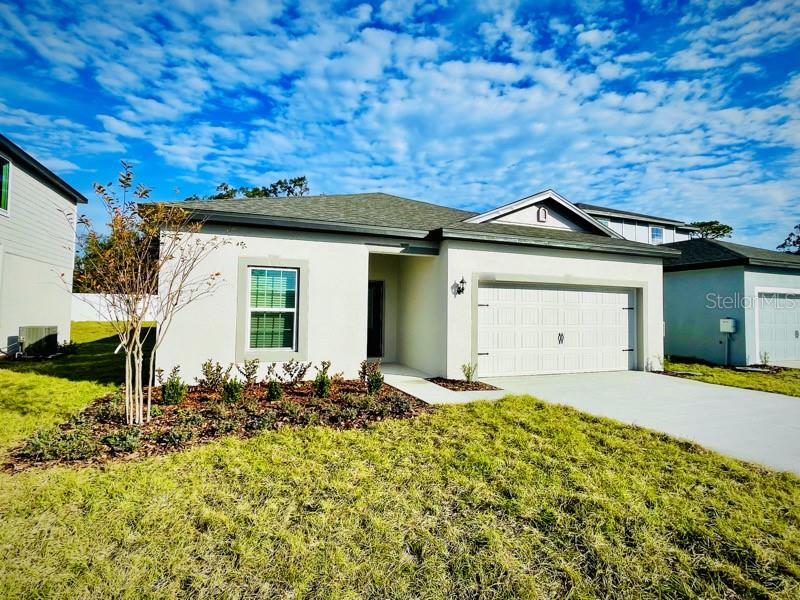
[{"x": 460, "y": 286}]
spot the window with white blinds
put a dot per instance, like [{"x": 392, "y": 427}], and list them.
[{"x": 272, "y": 313}]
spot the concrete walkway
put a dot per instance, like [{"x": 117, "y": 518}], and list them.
[
  {"x": 413, "y": 382},
  {"x": 755, "y": 426}
]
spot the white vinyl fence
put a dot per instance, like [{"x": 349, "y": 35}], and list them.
[{"x": 93, "y": 307}]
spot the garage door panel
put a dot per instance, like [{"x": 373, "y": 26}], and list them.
[
  {"x": 529, "y": 315},
  {"x": 518, "y": 330},
  {"x": 779, "y": 326}
]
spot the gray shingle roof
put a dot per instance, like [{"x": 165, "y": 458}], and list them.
[
  {"x": 384, "y": 214},
  {"x": 548, "y": 236},
  {"x": 374, "y": 208},
  {"x": 591, "y": 208},
  {"x": 704, "y": 253}
]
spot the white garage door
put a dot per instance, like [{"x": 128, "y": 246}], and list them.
[
  {"x": 779, "y": 326},
  {"x": 527, "y": 330}
]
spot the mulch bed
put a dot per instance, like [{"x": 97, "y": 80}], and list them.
[
  {"x": 202, "y": 417},
  {"x": 461, "y": 385}
]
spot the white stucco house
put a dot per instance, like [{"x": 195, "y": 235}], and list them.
[
  {"x": 37, "y": 246},
  {"x": 532, "y": 287},
  {"x": 714, "y": 279}
]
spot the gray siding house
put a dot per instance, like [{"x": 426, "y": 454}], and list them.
[
  {"x": 37, "y": 246},
  {"x": 713, "y": 280},
  {"x": 639, "y": 227}
]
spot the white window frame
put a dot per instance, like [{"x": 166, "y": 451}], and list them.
[
  {"x": 659, "y": 227},
  {"x": 251, "y": 310}
]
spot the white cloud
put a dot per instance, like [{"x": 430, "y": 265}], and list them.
[
  {"x": 751, "y": 31},
  {"x": 595, "y": 37},
  {"x": 469, "y": 111}
]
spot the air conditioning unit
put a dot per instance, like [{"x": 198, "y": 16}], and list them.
[{"x": 38, "y": 340}]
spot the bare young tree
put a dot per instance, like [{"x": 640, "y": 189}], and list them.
[{"x": 151, "y": 250}]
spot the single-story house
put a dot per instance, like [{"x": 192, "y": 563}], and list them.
[
  {"x": 759, "y": 289},
  {"x": 535, "y": 286},
  {"x": 37, "y": 248}
]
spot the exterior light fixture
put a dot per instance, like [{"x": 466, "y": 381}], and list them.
[{"x": 460, "y": 286}]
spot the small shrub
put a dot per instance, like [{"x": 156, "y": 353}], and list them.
[
  {"x": 274, "y": 390},
  {"x": 249, "y": 370},
  {"x": 76, "y": 444},
  {"x": 78, "y": 420},
  {"x": 223, "y": 426},
  {"x": 215, "y": 410},
  {"x": 400, "y": 404},
  {"x": 261, "y": 421},
  {"x": 56, "y": 444},
  {"x": 214, "y": 376},
  {"x": 110, "y": 411},
  {"x": 156, "y": 411},
  {"x": 295, "y": 371},
  {"x": 290, "y": 409},
  {"x": 361, "y": 402},
  {"x": 177, "y": 436},
  {"x": 190, "y": 417},
  {"x": 322, "y": 382},
  {"x": 765, "y": 358},
  {"x": 337, "y": 413},
  {"x": 173, "y": 389},
  {"x": 370, "y": 375},
  {"x": 124, "y": 441},
  {"x": 42, "y": 445},
  {"x": 469, "y": 370},
  {"x": 381, "y": 409},
  {"x": 232, "y": 391},
  {"x": 374, "y": 382}
]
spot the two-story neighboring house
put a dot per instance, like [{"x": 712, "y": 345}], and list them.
[
  {"x": 724, "y": 303},
  {"x": 637, "y": 227},
  {"x": 37, "y": 246}
]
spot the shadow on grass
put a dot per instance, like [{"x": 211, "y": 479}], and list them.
[{"x": 94, "y": 360}]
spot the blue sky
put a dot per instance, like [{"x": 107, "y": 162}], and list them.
[{"x": 689, "y": 110}]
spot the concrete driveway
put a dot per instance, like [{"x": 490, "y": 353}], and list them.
[{"x": 755, "y": 426}]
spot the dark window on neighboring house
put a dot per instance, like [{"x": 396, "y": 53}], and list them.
[{"x": 5, "y": 168}]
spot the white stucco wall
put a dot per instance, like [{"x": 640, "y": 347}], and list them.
[
  {"x": 37, "y": 251},
  {"x": 694, "y": 302},
  {"x": 336, "y": 316},
  {"x": 422, "y": 304},
  {"x": 428, "y": 328},
  {"x": 484, "y": 262}
]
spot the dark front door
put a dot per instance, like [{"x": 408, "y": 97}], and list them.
[{"x": 375, "y": 319}]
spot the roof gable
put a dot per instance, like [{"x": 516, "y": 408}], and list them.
[{"x": 558, "y": 213}]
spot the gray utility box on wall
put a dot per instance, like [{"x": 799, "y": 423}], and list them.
[
  {"x": 727, "y": 325},
  {"x": 38, "y": 340}
]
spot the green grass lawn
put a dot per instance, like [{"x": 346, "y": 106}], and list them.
[
  {"x": 507, "y": 499},
  {"x": 786, "y": 381}
]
